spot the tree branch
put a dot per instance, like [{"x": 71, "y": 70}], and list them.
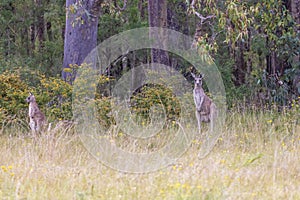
[
  {"x": 198, "y": 14},
  {"x": 124, "y": 6},
  {"x": 203, "y": 18},
  {"x": 95, "y": 8}
]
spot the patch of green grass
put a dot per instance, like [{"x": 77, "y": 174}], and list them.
[{"x": 256, "y": 157}]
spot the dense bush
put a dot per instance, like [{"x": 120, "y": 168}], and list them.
[
  {"x": 141, "y": 102},
  {"x": 150, "y": 95},
  {"x": 52, "y": 94},
  {"x": 13, "y": 92},
  {"x": 54, "y": 97}
]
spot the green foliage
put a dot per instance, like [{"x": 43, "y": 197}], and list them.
[
  {"x": 57, "y": 96},
  {"x": 19, "y": 42},
  {"x": 52, "y": 94},
  {"x": 141, "y": 102},
  {"x": 13, "y": 92},
  {"x": 151, "y": 95},
  {"x": 252, "y": 29},
  {"x": 113, "y": 21},
  {"x": 104, "y": 109},
  {"x": 91, "y": 90}
]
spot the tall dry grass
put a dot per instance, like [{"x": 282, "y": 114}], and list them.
[{"x": 256, "y": 157}]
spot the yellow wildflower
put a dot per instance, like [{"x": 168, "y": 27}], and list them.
[{"x": 3, "y": 167}]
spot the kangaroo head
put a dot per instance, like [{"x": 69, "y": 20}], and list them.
[
  {"x": 30, "y": 98},
  {"x": 198, "y": 79}
]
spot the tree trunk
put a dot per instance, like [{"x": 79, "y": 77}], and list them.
[
  {"x": 240, "y": 66},
  {"x": 63, "y": 32},
  {"x": 271, "y": 58},
  {"x": 10, "y": 37},
  {"x": 25, "y": 41},
  {"x": 294, "y": 8},
  {"x": 40, "y": 23},
  {"x": 141, "y": 9},
  {"x": 49, "y": 31},
  {"x": 80, "y": 33},
  {"x": 157, "y": 16},
  {"x": 32, "y": 29}
]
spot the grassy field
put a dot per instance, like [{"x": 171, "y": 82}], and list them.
[{"x": 257, "y": 157}]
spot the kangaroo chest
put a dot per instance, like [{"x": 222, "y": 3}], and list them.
[
  {"x": 199, "y": 95},
  {"x": 201, "y": 100},
  {"x": 33, "y": 109},
  {"x": 30, "y": 112}
]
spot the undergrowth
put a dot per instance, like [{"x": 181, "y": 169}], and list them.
[{"x": 255, "y": 157}]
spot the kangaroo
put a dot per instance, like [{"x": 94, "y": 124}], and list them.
[
  {"x": 37, "y": 118},
  {"x": 206, "y": 110}
]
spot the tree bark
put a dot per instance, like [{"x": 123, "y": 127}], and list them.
[
  {"x": 49, "y": 31},
  {"x": 40, "y": 23},
  {"x": 240, "y": 67},
  {"x": 10, "y": 38},
  {"x": 157, "y": 17},
  {"x": 141, "y": 9},
  {"x": 294, "y": 8},
  {"x": 32, "y": 30},
  {"x": 80, "y": 33},
  {"x": 25, "y": 41}
]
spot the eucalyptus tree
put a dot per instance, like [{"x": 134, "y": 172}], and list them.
[
  {"x": 80, "y": 33},
  {"x": 259, "y": 34}
]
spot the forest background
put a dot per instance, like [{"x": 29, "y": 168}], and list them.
[{"x": 254, "y": 43}]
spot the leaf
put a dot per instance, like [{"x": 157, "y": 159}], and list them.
[
  {"x": 251, "y": 160},
  {"x": 68, "y": 70},
  {"x": 258, "y": 81}
]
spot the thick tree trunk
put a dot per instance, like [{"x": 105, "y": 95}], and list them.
[
  {"x": 295, "y": 10},
  {"x": 80, "y": 34},
  {"x": 157, "y": 16}
]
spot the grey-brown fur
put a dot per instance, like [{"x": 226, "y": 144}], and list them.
[
  {"x": 37, "y": 118},
  {"x": 206, "y": 110}
]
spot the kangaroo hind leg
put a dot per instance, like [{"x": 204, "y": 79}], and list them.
[{"x": 198, "y": 116}]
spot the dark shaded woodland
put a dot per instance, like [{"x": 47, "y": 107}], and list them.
[{"x": 255, "y": 44}]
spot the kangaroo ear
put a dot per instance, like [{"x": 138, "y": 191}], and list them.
[
  {"x": 30, "y": 94},
  {"x": 193, "y": 75},
  {"x": 201, "y": 75}
]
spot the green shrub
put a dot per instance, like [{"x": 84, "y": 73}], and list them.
[
  {"x": 52, "y": 94},
  {"x": 54, "y": 97},
  {"x": 154, "y": 94},
  {"x": 13, "y": 92}
]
